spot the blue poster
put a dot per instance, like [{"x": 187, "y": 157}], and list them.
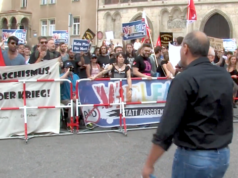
[
  {"x": 134, "y": 30},
  {"x": 98, "y": 92},
  {"x": 19, "y": 33},
  {"x": 80, "y": 46},
  {"x": 229, "y": 44},
  {"x": 60, "y": 36}
]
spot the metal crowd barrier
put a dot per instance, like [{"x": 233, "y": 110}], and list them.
[
  {"x": 25, "y": 107},
  {"x": 123, "y": 127}
]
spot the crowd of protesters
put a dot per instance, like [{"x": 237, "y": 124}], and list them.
[{"x": 110, "y": 60}]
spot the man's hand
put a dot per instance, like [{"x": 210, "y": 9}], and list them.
[
  {"x": 92, "y": 78},
  {"x": 42, "y": 54},
  {"x": 147, "y": 171},
  {"x": 149, "y": 77},
  {"x": 81, "y": 53}
]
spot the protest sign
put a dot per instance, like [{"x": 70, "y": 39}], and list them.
[
  {"x": 37, "y": 94},
  {"x": 134, "y": 30},
  {"x": 80, "y": 46},
  {"x": 109, "y": 35},
  {"x": 174, "y": 54},
  {"x": 98, "y": 92},
  {"x": 166, "y": 38},
  {"x": 60, "y": 36},
  {"x": 229, "y": 44},
  {"x": 216, "y": 43},
  {"x": 19, "y": 33},
  {"x": 88, "y": 35}
]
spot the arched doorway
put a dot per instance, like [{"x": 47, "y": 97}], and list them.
[
  {"x": 13, "y": 23},
  {"x": 217, "y": 26},
  {"x": 24, "y": 23},
  {"x": 4, "y": 23}
]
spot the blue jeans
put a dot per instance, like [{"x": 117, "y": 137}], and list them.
[{"x": 200, "y": 163}]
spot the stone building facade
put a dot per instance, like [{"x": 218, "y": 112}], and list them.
[
  {"x": 217, "y": 18},
  {"x": 41, "y": 17}
]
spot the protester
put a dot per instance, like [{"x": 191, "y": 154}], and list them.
[
  {"x": 118, "y": 49},
  {"x": 103, "y": 59},
  {"x": 179, "y": 41},
  {"x": 45, "y": 51},
  {"x": 142, "y": 66},
  {"x": 93, "y": 68},
  {"x": 11, "y": 56},
  {"x": 198, "y": 116},
  {"x": 65, "y": 86},
  {"x": 130, "y": 54},
  {"x": 118, "y": 70},
  {"x": 71, "y": 59},
  {"x": 83, "y": 60},
  {"x": 236, "y": 52},
  {"x": 137, "y": 44},
  {"x": 27, "y": 53},
  {"x": 97, "y": 51},
  {"x": 232, "y": 68},
  {"x": 20, "y": 49},
  {"x": 63, "y": 51},
  {"x": 165, "y": 69}
]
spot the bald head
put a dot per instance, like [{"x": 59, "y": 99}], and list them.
[
  {"x": 195, "y": 44},
  {"x": 198, "y": 43}
]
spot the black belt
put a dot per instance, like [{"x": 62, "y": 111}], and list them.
[{"x": 194, "y": 149}]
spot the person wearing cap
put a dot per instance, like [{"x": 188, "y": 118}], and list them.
[
  {"x": 68, "y": 68},
  {"x": 93, "y": 68}
]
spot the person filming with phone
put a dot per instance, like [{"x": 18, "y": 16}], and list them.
[{"x": 68, "y": 69}]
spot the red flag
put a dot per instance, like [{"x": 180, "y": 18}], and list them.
[
  {"x": 2, "y": 62},
  {"x": 192, "y": 15},
  {"x": 158, "y": 43}
]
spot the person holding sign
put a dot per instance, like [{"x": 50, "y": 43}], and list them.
[{"x": 118, "y": 70}]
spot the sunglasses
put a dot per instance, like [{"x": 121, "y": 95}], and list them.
[
  {"x": 43, "y": 42},
  {"x": 13, "y": 43}
]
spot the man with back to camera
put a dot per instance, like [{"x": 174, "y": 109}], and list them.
[
  {"x": 198, "y": 118},
  {"x": 11, "y": 56}
]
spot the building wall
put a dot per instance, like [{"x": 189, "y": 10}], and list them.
[
  {"x": 168, "y": 15},
  {"x": 59, "y": 11}
]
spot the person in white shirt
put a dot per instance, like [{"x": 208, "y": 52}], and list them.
[{"x": 137, "y": 44}]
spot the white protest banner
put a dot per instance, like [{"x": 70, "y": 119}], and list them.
[
  {"x": 174, "y": 54},
  {"x": 229, "y": 44},
  {"x": 109, "y": 35},
  {"x": 37, "y": 94}
]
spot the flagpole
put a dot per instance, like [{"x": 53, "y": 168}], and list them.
[
  {"x": 188, "y": 15},
  {"x": 152, "y": 45}
]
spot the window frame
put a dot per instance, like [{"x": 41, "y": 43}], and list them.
[{"x": 77, "y": 25}]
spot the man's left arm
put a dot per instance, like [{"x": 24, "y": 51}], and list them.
[{"x": 175, "y": 108}]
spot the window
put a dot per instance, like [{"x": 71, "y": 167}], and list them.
[
  {"x": 51, "y": 27},
  {"x": 24, "y": 3},
  {"x": 76, "y": 25},
  {"x": 44, "y": 27},
  {"x": 52, "y": 1},
  {"x": 43, "y": 2}
]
